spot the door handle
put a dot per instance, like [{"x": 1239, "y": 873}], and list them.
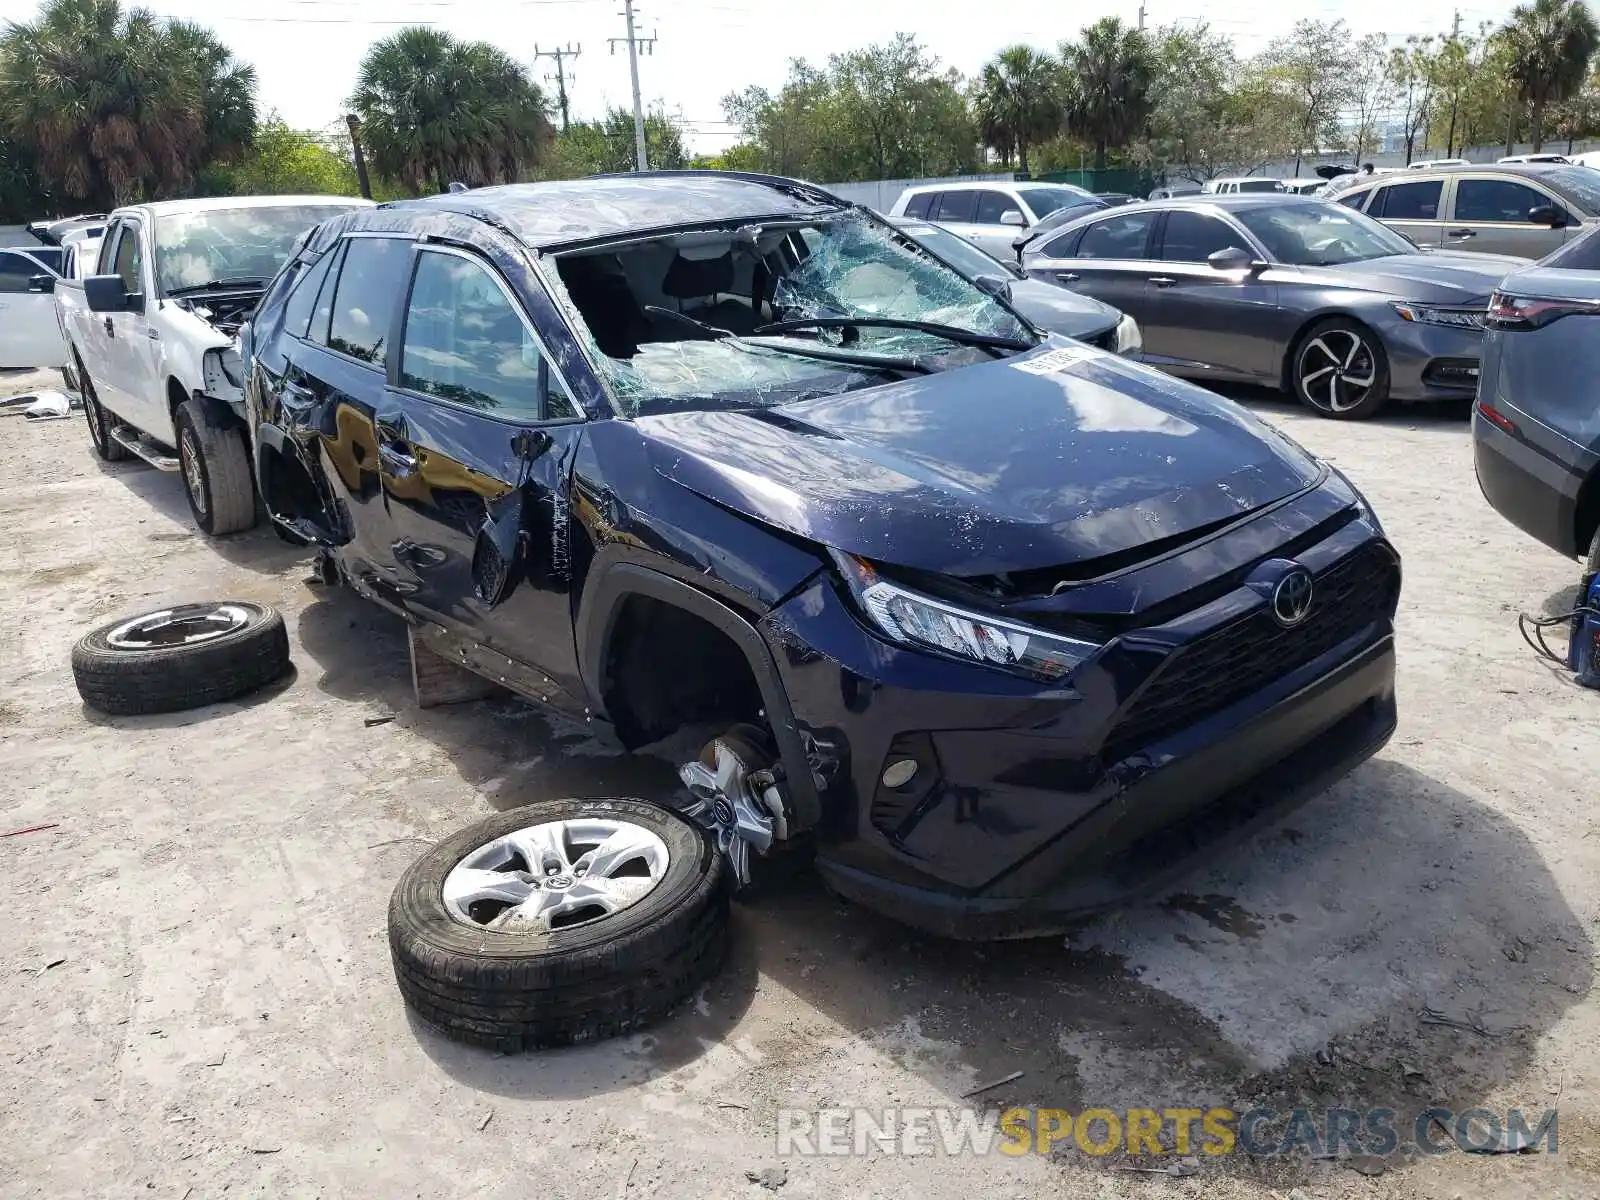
[
  {"x": 1162, "y": 281},
  {"x": 1068, "y": 276},
  {"x": 111, "y": 330},
  {"x": 1462, "y": 233},
  {"x": 395, "y": 453}
]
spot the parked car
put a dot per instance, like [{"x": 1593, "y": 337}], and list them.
[
  {"x": 54, "y": 231},
  {"x": 993, "y": 620},
  {"x": 1534, "y": 158},
  {"x": 28, "y": 333},
  {"x": 1304, "y": 187},
  {"x": 1284, "y": 291},
  {"x": 1049, "y": 307},
  {"x": 1589, "y": 159},
  {"x": 1170, "y": 190},
  {"x": 1112, "y": 199},
  {"x": 151, "y": 337},
  {"x": 80, "y": 254},
  {"x": 1527, "y": 210},
  {"x": 1536, "y": 426},
  {"x": 1232, "y": 187},
  {"x": 1428, "y": 164},
  {"x": 1055, "y": 220},
  {"x": 988, "y": 214}
]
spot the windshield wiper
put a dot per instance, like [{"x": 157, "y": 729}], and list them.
[
  {"x": 214, "y": 284},
  {"x": 709, "y": 332},
  {"x": 954, "y": 333},
  {"x": 716, "y": 333}
]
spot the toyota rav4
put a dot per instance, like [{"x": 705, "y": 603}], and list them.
[{"x": 1001, "y": 626}]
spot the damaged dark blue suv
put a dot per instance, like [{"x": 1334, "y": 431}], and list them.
[{"x": 1004, "y": 627}]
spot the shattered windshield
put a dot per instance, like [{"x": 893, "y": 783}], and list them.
[
  {"x": 231, "y": 244},
  {"x": 676, "y": 322}
]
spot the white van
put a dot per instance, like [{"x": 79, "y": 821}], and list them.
[{"x": 1243, "y": 183}]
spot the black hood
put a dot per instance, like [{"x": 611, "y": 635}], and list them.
[{"x": 1000, "y": 467}]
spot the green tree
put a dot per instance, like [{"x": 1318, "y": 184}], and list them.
[
  {"x": 117, "y": 104},
  {"x": 1371, "y": 93},
  {"x": 1211, "y": 112},
  {"x": 1550, "y": 43},
  {"x": 288, "y": 162},
  {"x": 1410, "y": 70},
  {"x": 606, "y": 146},
  {"x": 1017, "y": 102},
  {"x": 435, "y": 110},
  {"x": 1109, "y": 71},
  {"x": 1312, "y": 68}
]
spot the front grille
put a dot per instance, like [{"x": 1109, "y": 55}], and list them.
[{"x": 1224, "y": 667}]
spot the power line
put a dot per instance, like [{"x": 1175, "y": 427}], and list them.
[
  {"x": 560, "y": 54},
  {"x": 634, "y": 42}
]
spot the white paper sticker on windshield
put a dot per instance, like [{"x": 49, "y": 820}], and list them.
[{"x": 1055, "y": 360}]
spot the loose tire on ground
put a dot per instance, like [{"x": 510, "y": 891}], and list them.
[
  {"x": 215, "y": 464},
  {"x": 107, "y": 448},
  {"x": 181, "y": 657},
  {"x": 485, "y": 973}
]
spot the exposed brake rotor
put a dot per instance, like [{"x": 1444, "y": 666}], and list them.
[{"x": 734, "y": 794}]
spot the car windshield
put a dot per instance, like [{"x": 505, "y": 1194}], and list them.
[
  {"x": 1320, "y": 235},
  {"x": 1047, "y": 199},
  {"x": 233, "y": 244},
  {"x": 1577, "y": 183},
  {"x": 674, "y": 322},
  {"x": 960, "y": 253}
]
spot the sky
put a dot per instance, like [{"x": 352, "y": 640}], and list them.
[{"x": 306, "y": 52}]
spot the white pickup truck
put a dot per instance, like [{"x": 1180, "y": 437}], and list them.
[{"x": 151, "y": 336}]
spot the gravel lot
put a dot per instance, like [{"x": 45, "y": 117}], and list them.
[{"x": 198, "y": 997}]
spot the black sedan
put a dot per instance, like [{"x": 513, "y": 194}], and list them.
[
  {"x": 1049, "y": 307},
  {"x": 1286, "y": 291}
]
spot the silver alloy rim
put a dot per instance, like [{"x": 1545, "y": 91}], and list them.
[
  {"x": 737, "y": 804},
  {"x": 178, "y": 626},
  {"x": 556, "y": 875},
  {"x": 190, "y": 454},
  {"x": 91, "y": 409},
  {"x": 1337, "y": 370}
]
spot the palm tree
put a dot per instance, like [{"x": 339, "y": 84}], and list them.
[
  {"x": 1018, "y": 101},
  {"x": 435, "y": 110},
  {"x": 112, "y": 104},
  {"x": 1551, "y": 44},
  {"x": 1108, "y": 76}
]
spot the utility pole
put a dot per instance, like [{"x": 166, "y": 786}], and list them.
[
  {"x": 634, "y": 43},
  {"x": 354, "y": 122},
  {"x": 560, "y": 54},
  {"x": 1141, "y": 14}
]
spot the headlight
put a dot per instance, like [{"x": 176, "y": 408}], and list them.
[
  {"x": 1455, "y": 318},
  {"x": 1129, "y": 339},
  {"x": 912, "y": 619}
]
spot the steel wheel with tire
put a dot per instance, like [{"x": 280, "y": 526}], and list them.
[
  {"x": 559, "y": 922},
  {"x": 216, "y": 470},
  {"x": 105, "y": 446},
  {"x": 1592, "y": 562},
  {"x": 181, "y": 657},
  {"x": 1340, "y": 370}
]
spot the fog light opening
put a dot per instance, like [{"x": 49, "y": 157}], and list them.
[{"x": 900, "y": 772}]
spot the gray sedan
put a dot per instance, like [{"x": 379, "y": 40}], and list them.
[
  {"x": 1051, "y": 308},
  {"x": 1286, "y": 291}
]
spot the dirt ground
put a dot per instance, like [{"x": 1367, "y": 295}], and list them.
[{"x": 198, "y": 999}]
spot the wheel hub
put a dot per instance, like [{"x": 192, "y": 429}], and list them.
[{"x": 735, "y": 798}]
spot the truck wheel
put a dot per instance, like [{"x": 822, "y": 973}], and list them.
[
  {"x": 559, "y": 922},
  {"x": 216, "y": 470},
  {"x": 181, "y": 657},
  {"x": 105, "y": 446}
]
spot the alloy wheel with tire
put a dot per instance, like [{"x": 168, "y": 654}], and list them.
[
  {"x": 105, "y": 446},
  {"x": 216, "y": 470},
  {"x": 559, "y": 922},
  {"x": 181, "y": 657},
  {"x": 1341, "y": 371}
]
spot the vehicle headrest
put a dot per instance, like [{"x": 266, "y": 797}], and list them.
[{"x": 689, "y": 278}]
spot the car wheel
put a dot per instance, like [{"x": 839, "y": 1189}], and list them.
[
  {"x": 559, "y": 922},
  {"x": 732, "y": 796},
  {"x": 1340, "y": 370},
  {"x": 181, "y": 657},
  {"x": 105, "y": 446},
  {"x": 1592, "y": 563},
  {"x": 216, "y": 471}
]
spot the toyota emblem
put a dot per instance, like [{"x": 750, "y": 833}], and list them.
[{"x": 1291, "y": 599}]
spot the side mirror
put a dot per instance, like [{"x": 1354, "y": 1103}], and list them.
[
  {"x": 995, "y": 286},
  {"x": 1013, "y": 216},
  {"x": 1231, "y": 258},
  {"x": 107, "y": 294},
  {"x": 41, "y": 283},
  {"x": 1548, "y": 215}
]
